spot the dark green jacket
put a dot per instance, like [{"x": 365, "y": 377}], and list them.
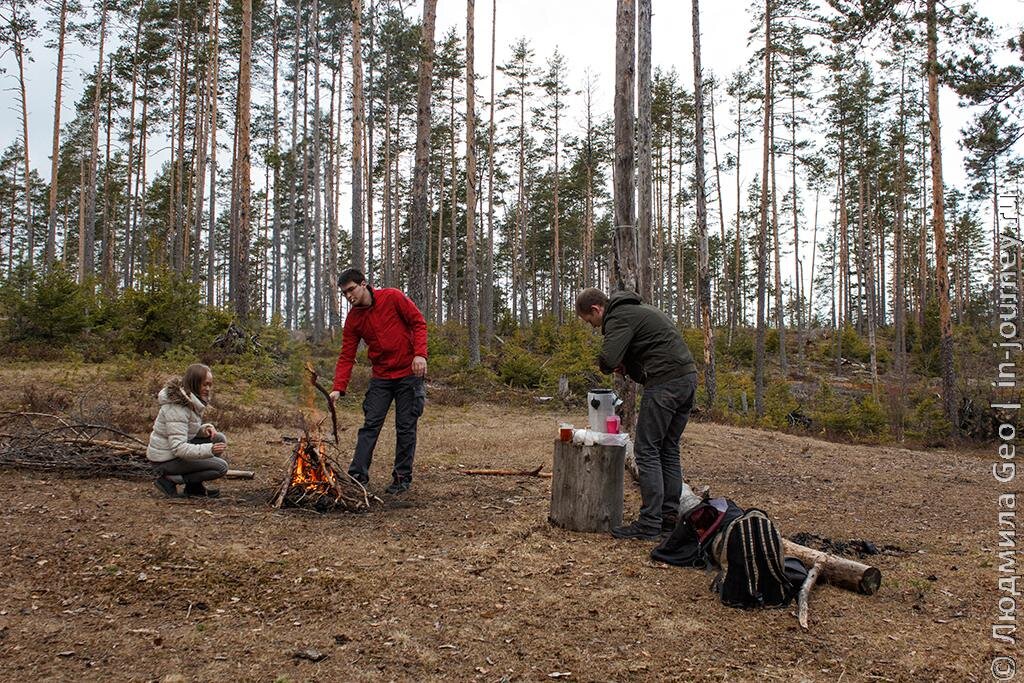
[{"x": 644, "y": 340}]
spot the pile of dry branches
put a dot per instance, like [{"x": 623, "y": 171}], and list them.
[
  {"x": 41, "y": 441},
  {"x": 316, "y": 481}
]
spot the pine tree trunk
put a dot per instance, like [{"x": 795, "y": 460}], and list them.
[
  {"x": 898, "y": 299},
  {"x": 780, "y": 311},
  {"x": 472, "y": 309},
  {"x": 625, "y": 237},
  {"x": 51, "y": 229},
  {"x": 275, "y": 249},
  {"x": 644, "y": 213},
  {"x": 127, "y": 263},
  {"x": 735, "y": 294},
  {"x": 487, "y": 300},
  {"x": 710, "y": 386},
  {"x": 358, "y": 108},
  {"x": 214, "y": 88},
  {"x": 721, "y": 210},
  {"x": 949, "y": 397},
  {"x": 87, "y": 266},
  {"x": 318, "y": 242},
  {"x": 243, "y": 166},
  {"x": 625, "y": 161},
  {"x": 762, "y": 234},
  {"x": 556, "y": 256},
  {"x": 420, "y": 217},
  {"x": 107, "y": 259},
  {"x": 797, "y": 295}
]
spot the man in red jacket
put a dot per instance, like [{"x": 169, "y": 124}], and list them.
[{"x": 396, "y": 341}]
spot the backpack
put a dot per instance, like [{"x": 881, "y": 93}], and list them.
[
  {"x": 746, "y": 547},
  {"x": 754, "y": 572},
  {"x": 690, "y": 542}
]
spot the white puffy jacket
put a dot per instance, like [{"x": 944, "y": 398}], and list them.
[{"x": 180, "y": 419}]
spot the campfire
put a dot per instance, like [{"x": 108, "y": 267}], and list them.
[{"x": 315, "y": 481}]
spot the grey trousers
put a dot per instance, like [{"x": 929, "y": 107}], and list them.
[
  {"x": 664, "y": 412},
  {"x": 195, "y": 471}
]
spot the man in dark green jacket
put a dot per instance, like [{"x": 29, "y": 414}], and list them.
[{"x": 643, "y": 343}]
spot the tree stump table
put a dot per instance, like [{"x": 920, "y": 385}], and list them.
[{"x": 586, "y": 486}]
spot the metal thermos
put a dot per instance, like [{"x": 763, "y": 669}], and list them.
[{"x": 601, "y": 404}]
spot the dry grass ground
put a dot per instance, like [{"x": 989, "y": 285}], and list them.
[{"x": 463, "y": 578}]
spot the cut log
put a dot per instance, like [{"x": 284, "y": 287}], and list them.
[
  {"x": 586, "y": 486},
  {"x": 239, "y": 474},
  {"x": 805, "y": 593},
  {"x": 838, "y": 571}
]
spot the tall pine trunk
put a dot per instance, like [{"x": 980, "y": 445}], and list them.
[
  {"x": 51, "y": 227},
  {"x": 358, "y": 260},
  {"x": 762, "y": 233},
  {"x": 704, "y": 274},
  {"x": 472, "y": 309},
  {"x": 487, "y": 298},
  {"x": 418, "y": 272},
  {"x": 949, "y": 397},
  {"x": 644, "y": 166},
  {"x": 241, "y": 298}
]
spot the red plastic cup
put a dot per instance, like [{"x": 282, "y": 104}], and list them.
[{"x": 612, "y": 423}]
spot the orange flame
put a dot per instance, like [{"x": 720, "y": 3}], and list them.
[{"x": 311, "y": 470}]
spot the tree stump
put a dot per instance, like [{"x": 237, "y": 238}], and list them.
[{"x": 586, "y": 487}]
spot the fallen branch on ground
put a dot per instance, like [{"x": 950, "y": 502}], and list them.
[
  {"x": 805, "y": 593},
  {"x": 536, "y": 472},
  {"x": 53, "y": 443}
]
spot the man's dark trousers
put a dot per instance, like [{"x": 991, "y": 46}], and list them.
[
  {"x": 409, "y": 396},
  {"x": 664, "y": 412}
]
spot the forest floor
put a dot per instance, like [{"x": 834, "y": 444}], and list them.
[{"x": 463, "y": 578}]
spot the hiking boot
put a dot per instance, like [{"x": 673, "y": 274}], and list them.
[
  {"x": 167, "y": 487},
  {"x": 668, "y": 523},
  {"x": 197, "y": 490},
  {"x": 398, "y": 487},
  {"x": 635, "y": 532}
]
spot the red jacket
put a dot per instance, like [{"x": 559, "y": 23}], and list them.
[{"x": 394, "y": 331}]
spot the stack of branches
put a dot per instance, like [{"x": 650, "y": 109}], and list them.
[
  {"x": 41, "y": 441},
  {"x": 316, "y": 481}
]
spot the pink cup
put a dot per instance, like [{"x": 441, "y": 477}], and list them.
[{"x": 612, "y": 424}]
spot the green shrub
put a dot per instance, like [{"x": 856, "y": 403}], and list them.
[
  {"x": 53, "y": 309},
  {"x": 575, "y": 356},
  {"x": 778, "y": 405},
  {"x": 927, "y": 420},
  {"x": 520, "y": 368},
  {"x": 166, "y": 311}
]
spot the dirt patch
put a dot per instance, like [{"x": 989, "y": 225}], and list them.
[{"x": 462, "y": 578}]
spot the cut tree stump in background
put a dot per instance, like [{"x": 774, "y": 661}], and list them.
[{"x": 586, "y": 486}]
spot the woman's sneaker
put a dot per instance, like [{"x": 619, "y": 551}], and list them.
[{"x": 167, "y": 487}]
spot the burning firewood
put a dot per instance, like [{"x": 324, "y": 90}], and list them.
[{"x": 315, "y": 481}]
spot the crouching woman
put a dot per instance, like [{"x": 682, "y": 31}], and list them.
[{"x": 183, "y": 446}]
